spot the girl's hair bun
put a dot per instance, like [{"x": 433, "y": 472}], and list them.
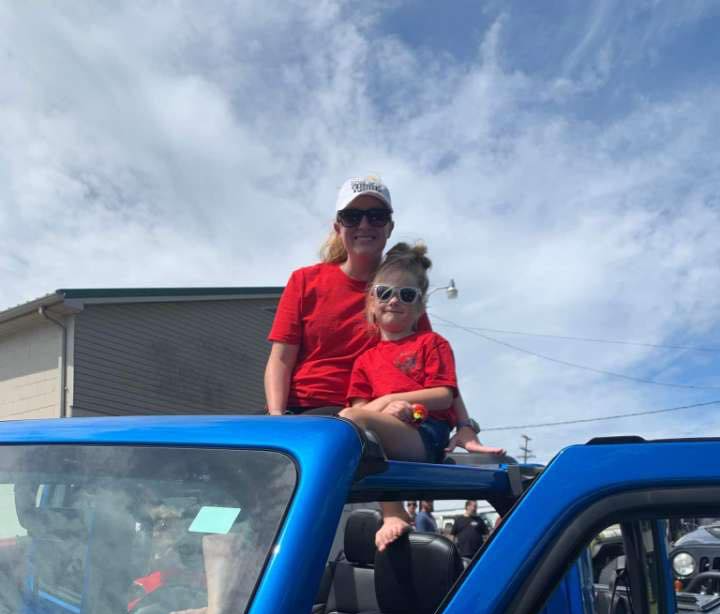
[
  {"x": 404, "y": 257},
  {"x": 403, "y": 251}
]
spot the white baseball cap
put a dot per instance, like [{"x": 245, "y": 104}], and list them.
[{"x": 363, "y": 186}]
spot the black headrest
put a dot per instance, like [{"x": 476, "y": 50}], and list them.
[
  {"x": 415, "y": 573},
  {"x": 360, "y": 536}
]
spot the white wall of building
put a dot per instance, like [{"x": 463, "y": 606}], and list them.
[{"x": 30, "y": 358}]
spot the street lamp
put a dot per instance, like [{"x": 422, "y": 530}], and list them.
[{"x": 451, "y": 290}]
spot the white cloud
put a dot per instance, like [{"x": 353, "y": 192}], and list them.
[{"x": 170, "y": 145}]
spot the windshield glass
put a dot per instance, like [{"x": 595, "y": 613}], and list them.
[{"x": 143, "y": 530}]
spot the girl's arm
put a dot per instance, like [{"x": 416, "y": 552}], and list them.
[
  {"x": 280, "y": 365},
  {"x": 434, "y": 399},
  {"x": 465, "y": 437}
]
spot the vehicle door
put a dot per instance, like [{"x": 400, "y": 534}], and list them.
[{"x": 635, "y": 486}]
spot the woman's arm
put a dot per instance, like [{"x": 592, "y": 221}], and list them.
[{"x": 280, "y": 365}]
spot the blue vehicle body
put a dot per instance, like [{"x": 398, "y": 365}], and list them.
[{"x": 336, "y": 464}]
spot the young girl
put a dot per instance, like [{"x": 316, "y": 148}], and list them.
[{"x": 405, "y": 367}]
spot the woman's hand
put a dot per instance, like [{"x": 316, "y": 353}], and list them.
[
  {"x": 465, "y": 437},
  {"x": 402, "y": 410}
]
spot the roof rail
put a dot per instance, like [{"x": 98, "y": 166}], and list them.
[{"x": 602, "y": 441}]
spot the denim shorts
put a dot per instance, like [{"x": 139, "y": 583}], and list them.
[{"x": 435, "y": 435}]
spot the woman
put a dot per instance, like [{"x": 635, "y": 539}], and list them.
[{"x": 320, "y": 327}]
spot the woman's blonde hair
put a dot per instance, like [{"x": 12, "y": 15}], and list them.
[
  {"x": 405, "y": 259},
  {"x": 332, "y": 251}
]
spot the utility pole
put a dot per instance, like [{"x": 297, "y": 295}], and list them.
[{"x": 525, "y": 449}]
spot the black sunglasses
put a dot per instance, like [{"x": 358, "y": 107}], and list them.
[
  {"x": 406, "y": 295},
  {"x": 377, "y": 217}
]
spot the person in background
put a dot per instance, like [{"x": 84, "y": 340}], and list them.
[
  {"x": 469, "y": 531},
  {"x": 425, "y": 521},
  {"x": 411, "y": 508}
]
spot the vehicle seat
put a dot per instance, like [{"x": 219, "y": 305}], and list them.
[
  {"x": 109, "y": 554},
  {"x": 352, "y": 588},
  {"x": 607, "y": 596},
  {"x": 413, "y": 575}
]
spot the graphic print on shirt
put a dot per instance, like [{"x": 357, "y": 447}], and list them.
[{"x": 405, "y": 362}]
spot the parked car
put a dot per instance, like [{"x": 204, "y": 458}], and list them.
[
  {"x": 157, "y": 515},
  {"x": 695, "y": 559}
]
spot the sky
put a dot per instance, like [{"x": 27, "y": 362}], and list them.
[{"x": 559, "y": 159}]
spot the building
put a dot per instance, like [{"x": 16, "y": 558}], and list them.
[{"x": 136, "y": 351}]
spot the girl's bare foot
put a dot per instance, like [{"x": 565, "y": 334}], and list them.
[{"x": 391, "y": 529}]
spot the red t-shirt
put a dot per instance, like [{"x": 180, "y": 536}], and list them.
[
  {"x": 323, "y": 311},
  {"x": 422, "y": 360}
]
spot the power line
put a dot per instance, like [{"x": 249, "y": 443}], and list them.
[
  {"x": 657, "y": 346},
  {"x": 600, "y": 418},
  {"x": 575, "y": 365}
]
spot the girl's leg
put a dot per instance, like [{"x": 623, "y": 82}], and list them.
[
  {"x": 395, "y": 523},
  {"x": 401, "y": 441}
]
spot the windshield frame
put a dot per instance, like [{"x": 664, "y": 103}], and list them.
[
  {"x": 327, "y": 452},
  {"x": 94, "y": 512}
]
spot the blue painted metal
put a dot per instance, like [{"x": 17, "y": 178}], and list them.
[
  {"x": 63, "y": 606},
  {"x": 567, "y": 598},
  {"x": 667, "y": 582},
  {"x": 297, "y": 435},
  {"x": 577, "y": 477},
  {"x": 433, "y": 477},
  {"x": 326, "y": 450}
]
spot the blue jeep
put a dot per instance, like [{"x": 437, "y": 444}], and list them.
[{"x": 239, "y": 514}]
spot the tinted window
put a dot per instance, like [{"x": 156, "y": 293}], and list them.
[
  {"x": 598, "y": 582},
  {"x": 104, "y": 529}
]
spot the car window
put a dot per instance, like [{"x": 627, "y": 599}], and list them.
[
  {"x": 143, "y": 530},
  {"x": 10, "y": 527},
  {"x": 679, "y": 554},
  {"x": 602, "y": 579},
  {"x": 652, "y": 561}
]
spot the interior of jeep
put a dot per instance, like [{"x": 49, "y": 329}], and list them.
[
  {"x": 412, "y": 576},
  {"x": 624, "y": 561},
  {"x": 417, "y": 572}
]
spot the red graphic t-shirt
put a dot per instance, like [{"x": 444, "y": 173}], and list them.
[
  {"x": 422, "y": 360},
  {"x": 323, "y": 311}
]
